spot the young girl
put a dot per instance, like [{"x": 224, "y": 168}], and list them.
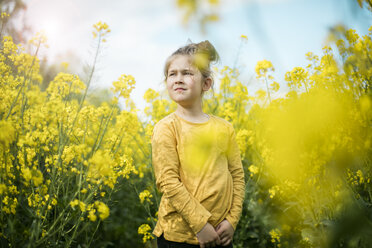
[{"x": 196, "y": 159}]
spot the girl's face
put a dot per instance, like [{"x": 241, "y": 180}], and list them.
[{"x": 185, "y": 83}]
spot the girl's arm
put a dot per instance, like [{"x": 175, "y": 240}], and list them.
[
  {"x": 166, "y": 166},
  {"x": 237, "y": 173}
]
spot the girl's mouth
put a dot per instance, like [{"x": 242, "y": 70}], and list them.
[{"x": 180, "y": 89}]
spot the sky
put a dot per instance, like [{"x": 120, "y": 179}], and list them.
[{"x": 144, "y": 33}]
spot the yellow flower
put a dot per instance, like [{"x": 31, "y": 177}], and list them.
[
  {"x": 145, "y": 196},
  {"x": 6, "y": 200},
  {"x": 263, "y": 67},
  {"x": 38, "y": 39},
  {"x": 261, "y": 94},
  {"x": 2, "y": 188},
  {"x": 275, "y": 235},
  {"x": 7, "y": 132},
  {"x": 4, "y": 15},
  {"x": 124, "y": 85},
  {"x": 82, "y": 206},
  {"x": 244, "y": 37},
  {"x": 92, "y": 216},
  {"x": 145, "y": 229},
  {"x": 26, "y": 173},
  {"x": 74, "y": 203},
  {"x": 297, "y": 77},
  {"x": 32, "y": 174},
  {"x": 102, "y": 169},
  {"x": 275, "y": 86},
  {"x": 352, "y": 36},
  {"x": 101, "y": 29},
  {"x": 242, "y": 137},
  {"x": 102, "y": 209},
  {"x": 65, "y": 84},
  {"x": 365, "y": 103},
  {"x": 13, "y": 206},
  {"x": 273, "y": 191},
  {"x": 253, "y": 169},
  {"x": 360, "y": 176},
  {"x": 37, "y": 177}
]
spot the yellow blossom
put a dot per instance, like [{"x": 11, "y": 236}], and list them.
[
  {"x": 273, "y": 191},
  {"x": 145, "y": 196},
  {"x": 74, "y": 203},
  {"x": 102, "y": 209},
  {"x": 4, "y": 15},
  {"x": 92, "y": 216},
  {"x": 38, "y": 39},
  {"x": 275, "y": 235},
  {"x": 275, "y": 86},
  {"x": 253, "y": 169},
  {"x": 124, "y": 85},
  {"x": 2, "y": 188},
  {"x": 263, "y": 67},
  {"x": 244, "y": 37},
  {"x": 101, "y": 29},
  {"x": 7, "y": 132},
  {"x": 26, "y": 173},
  {"x": 144, "y": 230}
]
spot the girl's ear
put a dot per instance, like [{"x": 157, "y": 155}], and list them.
[{"x": 207, "y": 83}]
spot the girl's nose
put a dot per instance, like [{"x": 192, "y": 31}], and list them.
[{"x": 179, "y": 78}]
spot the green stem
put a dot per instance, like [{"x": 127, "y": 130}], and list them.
[
  {"x": 88, "y": 83},
  {"x": 90, "y": 241},
  {"x": 268, "y": 91},
  {"x": 237, "y": 58},
  {"x": 104, "y": 129},
  {"x": 95, "y": 141},
  {"x": 75, "y": 227},
  {"x": 145, "y": 206}
]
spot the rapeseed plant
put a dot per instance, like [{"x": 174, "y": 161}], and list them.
[
  {"x": 307, "y": 155},
  {"x": 59, "y": 154}
]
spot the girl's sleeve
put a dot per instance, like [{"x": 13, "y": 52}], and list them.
[
  {"x": 237, "y": 173},
  {"x": 166, "y": 166}
]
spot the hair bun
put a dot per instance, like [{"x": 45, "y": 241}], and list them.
[{"x": 207, "y": 48}]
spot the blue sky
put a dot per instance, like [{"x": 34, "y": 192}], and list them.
[{"x": 145, "y": 32}]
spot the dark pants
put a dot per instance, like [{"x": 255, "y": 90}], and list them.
[{"x": 163, "y": 243}]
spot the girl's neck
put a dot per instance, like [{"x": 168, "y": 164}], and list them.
[{"x": 194, "y": 114}]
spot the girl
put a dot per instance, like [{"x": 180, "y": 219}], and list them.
[{"x": 196, "y": 159}]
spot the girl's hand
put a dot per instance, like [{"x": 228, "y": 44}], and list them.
[
  {"x": 225, "y": 231},
  {"x": 208, "y": 237}
]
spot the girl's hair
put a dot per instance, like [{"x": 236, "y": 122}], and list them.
[{"x": 202, "y": 55}]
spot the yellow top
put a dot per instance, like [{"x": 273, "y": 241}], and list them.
[{"x": 198, "y": 170}]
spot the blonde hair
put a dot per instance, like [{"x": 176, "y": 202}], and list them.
[{"x": 202, "y": 55}]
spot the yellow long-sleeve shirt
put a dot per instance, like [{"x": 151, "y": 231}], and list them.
[{"x": 199, "y": 171}]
